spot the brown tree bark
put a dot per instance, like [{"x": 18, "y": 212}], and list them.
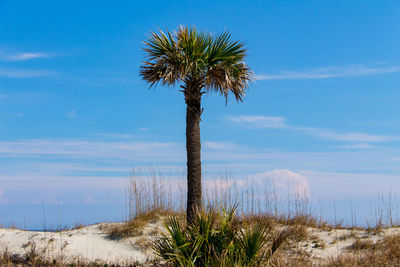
[{"x": 193, "y": 150}]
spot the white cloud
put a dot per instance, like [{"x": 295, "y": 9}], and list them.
[
  {"x": 219, "y": 145},
  {"x": 114, "y": 135},
  {"x": 357, "y": 146},
  {"x": 64, "y": 165},
  {"x": 328, "y": 72},
  {"x": 345, "y": 137},
  {"x": 2, "y": 199},
  {"x": 144, "y": 129},
  {"x": 63, "y": 148},
  {"x": 260, "y": 121},
  {"x": 71, "y": 114},
  {"x": 280, "y": 123},
  {"x": 276, "y": 184},
  {"x": 284, "y": 183},
  {"x": 20, "y": 73},
  {"x": 26, "y": 56},
  {"x": 2, "y": 96},
  {"x": 89, "y": 200},
  {"x": 218, "y": 185},
  {"x": 347, "y": 185}
]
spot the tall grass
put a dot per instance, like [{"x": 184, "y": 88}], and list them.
[{"x": 150, "y": 189}]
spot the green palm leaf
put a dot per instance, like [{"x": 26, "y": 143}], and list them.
[{"x": 215, "y": 63}]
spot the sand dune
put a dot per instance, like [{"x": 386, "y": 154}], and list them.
[
  {"x": 91, "y": 243},
  {"x": 88, "y": 243}
]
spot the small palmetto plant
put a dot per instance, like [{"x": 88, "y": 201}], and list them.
[{"x": 217, "y": 238}]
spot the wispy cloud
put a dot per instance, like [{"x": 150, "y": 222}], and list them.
[
  {"x": 114, "y": 135},
  {"x": 37, "y": 166},
  {"x": 345, "y": 137},
  {"x": 220, "y": 145},
  {"x": 2, "y": 199},
  {"x": 25, "y": 56},
  {"x": 281, "y": 122},
  {"x": 89, "y": 200},
  {"x": 357, "y": 146},
  {"x": 336, "y": 185},
  {"x": 260, "y": 121},
  {"x": 67, "y": 148},
  {"x": 2, "y": 96},
  {"x": 329, "y": 72},
  {"x": 23, "y": 73},
  {"x": 71, "y": 114}
]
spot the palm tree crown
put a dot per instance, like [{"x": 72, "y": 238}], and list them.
[{"x": 197, "y": 59}]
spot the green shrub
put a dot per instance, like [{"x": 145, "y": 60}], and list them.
[{"x": 217, "y": 238}]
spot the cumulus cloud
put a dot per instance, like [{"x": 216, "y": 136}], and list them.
[
  {"x": 279, "y": 184},
  {"x": 284, "y": 183},
  {"x": 328, "y": 72}
]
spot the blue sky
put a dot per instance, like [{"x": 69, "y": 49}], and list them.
[{"x": 75, "y": 116}]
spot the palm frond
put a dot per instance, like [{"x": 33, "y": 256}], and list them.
[
  {"x": 163, "y": 60},
  {"x": 252, "y": 241},
  {"x": 197, "y": 60},
  {"x": 214, "y": 239}
]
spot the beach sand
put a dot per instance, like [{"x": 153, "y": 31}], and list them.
[{"x": 92, "y": 244}]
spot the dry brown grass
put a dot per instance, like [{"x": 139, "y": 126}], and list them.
[
  {"x": 360, "y": 244},
  {"x": 34, "y": 258},
  {"x": 298, "y": 258},
  {"x": 363, "y": 253},
  {"x": 298, "y": 233},
  {"x": 385, "y": 252},
  {"x": 135, "y": 226}
]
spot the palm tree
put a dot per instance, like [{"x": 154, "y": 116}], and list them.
[{"x": 199, "y": 62}]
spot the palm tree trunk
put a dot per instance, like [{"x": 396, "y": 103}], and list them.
[{"x": 193, "y": 149}]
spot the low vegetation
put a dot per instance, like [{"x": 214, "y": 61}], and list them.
[
  {"x": 217, "y": 238},
  {"x": 134, "y": 226},
  {"x": 34, "y": 258}
]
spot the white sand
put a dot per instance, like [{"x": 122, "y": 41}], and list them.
[
  {"x": 89, "y": 243},
  {"x": 323, "y": 244}
]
